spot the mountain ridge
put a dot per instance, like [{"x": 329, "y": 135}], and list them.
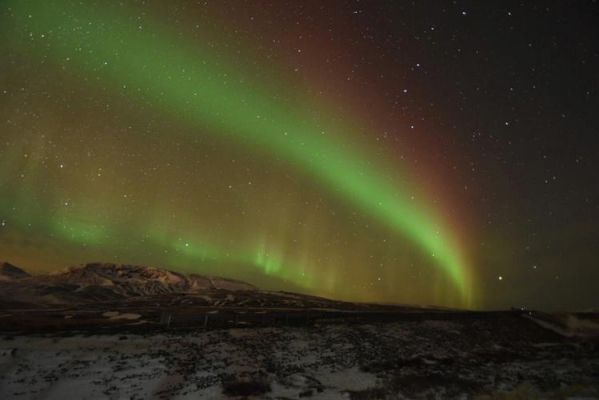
[
  {"x": 122, "y": 286},
  {"x": 96, "y": 281},
  {"x": 9, "y": 271}
]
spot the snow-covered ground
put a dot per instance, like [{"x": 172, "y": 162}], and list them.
[
  {"x": 427, "y": 359},
  {"x": 568, "y": 325}
]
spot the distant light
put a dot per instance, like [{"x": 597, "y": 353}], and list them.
[{"x": 500, "y": 277}]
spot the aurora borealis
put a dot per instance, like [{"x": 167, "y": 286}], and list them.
[{"x": 282, "y": 144}]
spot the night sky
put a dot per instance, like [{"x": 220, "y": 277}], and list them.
[{"x": 421, "y": 152}]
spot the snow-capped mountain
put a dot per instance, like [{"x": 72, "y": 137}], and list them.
[
  {"x": 103, "y": 282},
  {"x": 94, "y": 283},
  {"x": 133, "y": 280}
]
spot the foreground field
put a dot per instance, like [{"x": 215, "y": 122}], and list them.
[
  {"x": 499, "y": 356},
  {"x": 106, "y": 331}
]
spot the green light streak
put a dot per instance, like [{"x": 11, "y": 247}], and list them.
[
  {"x": 269, "y": 264},
  {"x": 80, "y": 232},
  {"x": 83, "y": 233},
  {"x": 188, "y": 249},
  {"x": 193, "y": 84}
]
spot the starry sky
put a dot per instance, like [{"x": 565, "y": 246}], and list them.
[{"x": 421, "y": 152}]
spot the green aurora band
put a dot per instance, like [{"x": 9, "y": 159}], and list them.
[{"x": 187, "y": 81}]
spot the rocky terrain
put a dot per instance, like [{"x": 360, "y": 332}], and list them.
[
  {"x": 487, "y": 358},
  {"x": 104, "y": 331}
]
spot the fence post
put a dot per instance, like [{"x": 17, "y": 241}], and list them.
[{"x": 165, "y": 319}]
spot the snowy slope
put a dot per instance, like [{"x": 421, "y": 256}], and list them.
[{"x": 102, "y": 282}]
